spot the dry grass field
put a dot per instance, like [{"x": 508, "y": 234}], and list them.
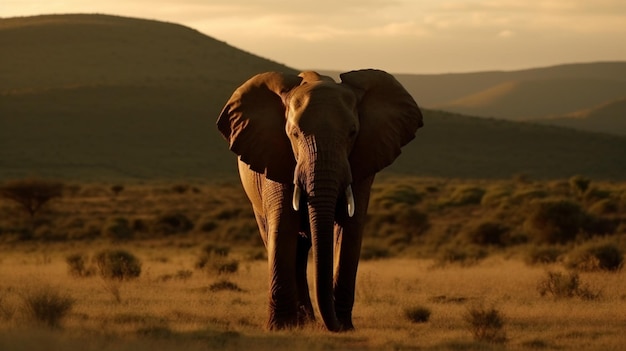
[
  {"x": 447, "y": 265},
  {"x": 165, "y": 310}
]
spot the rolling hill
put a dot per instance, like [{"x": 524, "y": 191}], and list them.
[
  {"x": 96, "y": 97},
  {"x": 609, "y": 117}
]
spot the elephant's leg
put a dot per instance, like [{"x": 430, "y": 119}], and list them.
[
  {"x": 282, "y": 242},
  {"x": 305, "y": 308},
  {"x": 348, "y": 236}
]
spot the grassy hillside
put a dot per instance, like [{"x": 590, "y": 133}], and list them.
[
  {"x": 609, "y": 117},
  {"x": 96, "y": 97},
  {"x": 525, "y": 94},
  {"x": 523, "y": 100}
]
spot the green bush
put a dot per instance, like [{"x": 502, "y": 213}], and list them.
[
  {"x": 117, "y": 264},
  {"x": 47, "y": 306},
  {"x": 593, "y": 257}
]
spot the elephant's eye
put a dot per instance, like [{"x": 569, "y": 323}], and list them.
[{"x": 295, "y": 134}]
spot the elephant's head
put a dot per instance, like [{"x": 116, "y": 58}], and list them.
[{"x": 321, "y": 136}]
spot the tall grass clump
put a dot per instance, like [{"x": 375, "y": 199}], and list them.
[
  {"x": 596, "y": 257},
  {"x": 78, "y": 265},
  {"x": 486, "y": 324},
  {"x": 214, "y": 259},
  {"x": 560, "y": 285},
  {"x": 47, "y": 306},
  {"x": 172, "y": 223},
  {"x": 117, "y": 264}
]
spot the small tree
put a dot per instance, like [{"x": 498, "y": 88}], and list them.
[{"x": 31, "y": 194}]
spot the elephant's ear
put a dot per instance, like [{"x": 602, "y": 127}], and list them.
[
  {"x": 253, "y": 123},
  {"x": 389, "y": 118}
]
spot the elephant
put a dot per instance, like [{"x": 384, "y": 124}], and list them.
[{"x": 308, "y": 150}]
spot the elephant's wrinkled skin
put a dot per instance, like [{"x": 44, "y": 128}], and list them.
[{"x": 309, "y": 149}]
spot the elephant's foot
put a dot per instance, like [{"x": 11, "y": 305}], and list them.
[
  {"x": 275, "y": 323},
  {"x": 346, "y": 321},
  {"x": 305, "y": 314}
]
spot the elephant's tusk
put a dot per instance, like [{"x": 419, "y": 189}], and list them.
[
  {"x": 350, "y": 198},
  {"x": 296, "y": 197}
]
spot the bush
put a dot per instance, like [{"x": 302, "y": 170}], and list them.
[
  {"x": 465, "y": 255},
  {"x": 580, "y": 184},
  {"x": 215, "y": 259},
  {"x": 596, "y": 257},
  {"x": 556, "y": 221},
  {"x": 486, "y": 324},
  {"x": 172, "y": 223},
  {"x": 466, "y": 195},
  {"x": 118, "y": 264},
  {"x": 47, "y": 306},
  {"x": 487, "y": 232},
  {"x": 417, "y": 314},
  {"x": 31, "y": 194},
  {"x": 543, "y": 254},
  {"x": 118, "y": 229},
  {"x": 559, "y": 285},
  {"x": 77, "y": 265},
  {"x": 225, "y": 285}
]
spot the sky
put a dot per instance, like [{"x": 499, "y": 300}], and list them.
[{"x": 400, "y": 36}]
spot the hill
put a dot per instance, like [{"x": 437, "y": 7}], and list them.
[
  {"x": 609, "y": 117},
  {"x": 95, "y": 97},
  {"x": 530, "y": 94},
  {"x": 537, "y": 99}
]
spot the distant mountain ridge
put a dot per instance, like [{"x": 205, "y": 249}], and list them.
[
  {"x": 97, "y": 97},
  {"x": 537, "y": 94}
]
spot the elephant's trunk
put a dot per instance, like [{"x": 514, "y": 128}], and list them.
[
  {"x": 323, "y": 173},
  {"x": 321, "y": 215}
]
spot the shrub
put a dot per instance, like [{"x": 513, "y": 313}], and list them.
[
  {"x": 559, "y": 285},
  {"x": 580, "y": 184},
  {"x": 117, "y": 189},
  {"x": 225, "y": 285},
  {"x": 543, "y": 254},
  {"x": 373, "y": 252},
  {"x": 486, "y": 324},
  {"x": 47, "y": 306},
  {"x": 117, "y": 264},
  {"x": 556, "y": 221},
  {"x": 466, "y": 255},
  {"x": 417, "y": 314},
  {"x": 118, "y": 229},
  {"x": 604, "y": 206},
  {"x": 172, "y": 223},
  {"x": 487, "y": 232},
  {"x": 398, "y": 194},
  {"x": 77, "y": 265},
  {"x": 595, "y": 257},
  {"x": 215, "y": 259},
  {"x": 31, "y": 194},
  {"x": 466, "y": 195}
]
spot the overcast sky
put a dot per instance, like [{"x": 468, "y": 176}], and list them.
[{"x": 400, "y": 36}]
